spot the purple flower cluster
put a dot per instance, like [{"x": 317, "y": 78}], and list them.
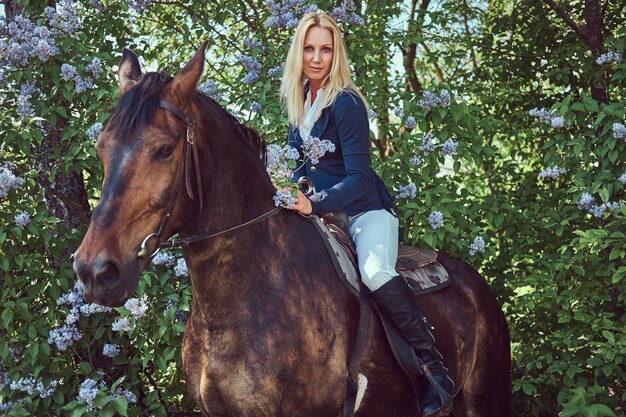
[
  {"x": 93, "y": 131},
  {"x": 588, "y": 203},
  {"x": 82, "y": 84},
  {"x": 478, "y": 245},
  {"x": 163, "y": 258},
  {"x": 435, "y": 219},
  {"x": 449, "y": 147},
  {"x": 283, "y": 198},
  {"x": 22, "y": 219},
  {"x": 26, "y": 41},
  {"x": 407, "y": 191},
  {"x": 428, "y": 144},
  {"x": 122, "y": 324},
  {"x": 555, "y": 121},
  {"x": 252, "y": 66},
  {"x": 410, "y": 122},
  {"x": 552, "y": 173},
  {"x": 346, "y": 13},
  {"x": 314, "y": 148},
  {"x": 255, "y": 107},
  {"x": 432, "y": 100},
  {"x": 275, "y": 70},
  {"x": 398, "y": 111},
  {"x": 95, "y": 67},
  {"x": 285, "y": 14},
  {"x": 279, "y": 162},
  {"x": 130, "y": 397},
  {"x": 8, "y": 180},
  {"x": 137, "y": 306},
  {"x": 622, "y": 178},
  {"x": 619, "y": 131},
  {"x": 373, "y": 115},
  {"x": 87, "y": 392},
  {"x": 181, "y": 270},
  {"x": 178, "y": 314},
  {"x": 415, "y": 160},
  {"x": 251, "y": 43},
  {"x": 110, "y": 350},
  {"x": 210, "y": 88},
  {"x": 24, "y": 107},
  {"x": 64, "y": 337},
  {"x": 65, "y": 21},
  {"x": 609, "y": 57},
  {"x": 31, "y": 386}
]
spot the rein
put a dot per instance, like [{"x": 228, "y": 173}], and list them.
[{"x": 184, "y": 171}]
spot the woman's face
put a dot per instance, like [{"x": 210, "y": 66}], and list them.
[{"x": 317, "y": 57}]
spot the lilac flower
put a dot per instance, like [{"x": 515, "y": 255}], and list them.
[
  {"x": 180, "y": 270},
  {"x": 8, "y": 180},
  {"x": 286, "y": 13},
  {"x": 283, "y": 198},
  {"x": 210, "y": 88},
  {"x": 137, "y": 306},
  {"x": 89, "y": 309},
  {"x": 619, "y": 131},
  {"x": 24, "y": 107},
  {"x": 73, "y": 316},
  {"x": 169, "y": 305},
  {"x": 74, "y": 297},
  {"x": 95, "y": 67},
  {"x": 250, "y": 77},
  {"x": 596, "y": 210},
  {"x": 255, "y": 107},
  {"x": 278, "y": 161},
  {"x": 5, "y": 380},
  {"x": 346, "y": 13},
  {"x": 87, "y": 392},
  {"x": 163, "y": 258},
  {"x": 408, "y": 191},
  {"x": 449, "y": 147},
  {"x": 613, "y": 205},
  {"x": 95, "y": 130},
  {"x": 122, "y": 324},
  {"x": 249, "y": 63},
  {"x": 26, "y": 41},
  {"x": 68, "y": 72},
  {"x": 410, "y": 122},
  {"x": 373, "y": 115},
  {"x": 65, "y": 21},
  {"x": 64, "y": 337},
  {"x": 398, "y": 111},
  {"x": 275, "y": 70},
  {"x": 435, "y": 219},
  {"x": 552, "y": 173},
  {"x": 428, "y": 144},
  {"x": 314, "y": 148},
  {"x": 26, "y": 385},
  {"x": 416, "y": 160},
  {"x": 609, "y": 57},
  {"x": 543, "y": 114},
  {"x": 110, "y": 350},
  {"x": 622, "y": 178},
  {"x": 251, "y": 43},
  {"x": 586, "y": 201},
  {"x": 432, "y": 100},
  {"x": 478, "y": 245},
  {"x": 120, "y": 392},
  {"x": 83, "y": 84}
]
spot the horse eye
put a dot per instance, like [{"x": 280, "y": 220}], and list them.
[{"x": 165, "y": 152}]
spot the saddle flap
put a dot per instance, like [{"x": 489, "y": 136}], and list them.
[{"x": 411, "y": 258}]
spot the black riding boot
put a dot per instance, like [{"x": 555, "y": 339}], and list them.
[{"x": 397, "y": 301}]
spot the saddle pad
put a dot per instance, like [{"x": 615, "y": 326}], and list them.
[{"x": 419, "y": 267}]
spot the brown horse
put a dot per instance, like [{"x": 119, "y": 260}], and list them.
[{"x": 271, "y": 327}]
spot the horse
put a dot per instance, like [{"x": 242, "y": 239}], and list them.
[{"x": 271, "y": 327}]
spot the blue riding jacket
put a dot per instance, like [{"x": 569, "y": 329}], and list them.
[{"x": 343, "y": 179}]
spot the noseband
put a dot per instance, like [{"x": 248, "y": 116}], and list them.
[{"x": 184, "y": 171}]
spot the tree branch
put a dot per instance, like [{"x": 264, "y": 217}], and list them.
[{"x": 566, "y": 18}]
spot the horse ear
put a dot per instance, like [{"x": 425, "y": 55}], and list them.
[
  {"x": 187, "y": 79},
  {"x": 129, "y": 72}
]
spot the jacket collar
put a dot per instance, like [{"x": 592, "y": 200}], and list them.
[{"x": 320, "y": 124}]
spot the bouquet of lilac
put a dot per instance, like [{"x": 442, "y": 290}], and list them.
[{"x": 281, "y": 165}]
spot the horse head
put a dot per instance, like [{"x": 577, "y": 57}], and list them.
[{"x": 149, "y": 180}]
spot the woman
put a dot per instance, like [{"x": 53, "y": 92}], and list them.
[{"x": 323, "y": 102}]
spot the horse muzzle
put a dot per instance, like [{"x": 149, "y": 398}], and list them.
[{"x": 106, "y": 280}]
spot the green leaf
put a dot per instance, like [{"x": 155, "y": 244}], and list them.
[{"x": 121, "y": 405}]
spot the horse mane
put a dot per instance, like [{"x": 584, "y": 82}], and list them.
[{"x": 137, "y": 106}]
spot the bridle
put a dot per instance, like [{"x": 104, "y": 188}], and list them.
[{"x": 189, "y": 151}]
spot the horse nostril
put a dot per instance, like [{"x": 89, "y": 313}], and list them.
[
  {"x": 106, "y": 273},
  {"x": 81, "y": 271}
]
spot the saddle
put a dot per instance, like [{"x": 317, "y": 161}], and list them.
[{"x": 418, "y": 267}]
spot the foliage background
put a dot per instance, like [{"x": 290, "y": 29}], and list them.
[{"x": 554, "y": 258}]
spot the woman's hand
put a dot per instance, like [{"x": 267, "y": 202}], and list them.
[{"x": 303, "y": 204}]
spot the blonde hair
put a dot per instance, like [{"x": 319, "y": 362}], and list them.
[{"x": 338, "y": 79}]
